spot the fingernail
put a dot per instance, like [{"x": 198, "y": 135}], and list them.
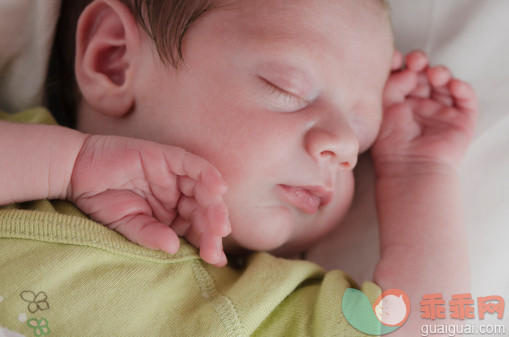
[
  {"x": 228, "y": 225},
  {"x": 173, "y": 249},
  {"x": 218, "y": 248},
  {"x": 224, "y": 261},
  {"x": 226, "y": 220}
]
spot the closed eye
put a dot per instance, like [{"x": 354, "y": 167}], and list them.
[{"x": 285, "y": 100}]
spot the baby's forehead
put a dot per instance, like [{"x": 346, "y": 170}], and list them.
[
  {"x": 311, "y": 21},
  {"x": 289, "y": 12}
]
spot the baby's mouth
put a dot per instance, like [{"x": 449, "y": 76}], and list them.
[{"x": 307, "y": 198}]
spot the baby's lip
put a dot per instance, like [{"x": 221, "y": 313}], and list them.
[
  {"x": 323, "y": 193},
  {"x": 307, "y": 198}
]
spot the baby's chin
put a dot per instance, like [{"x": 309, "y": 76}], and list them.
[
  {"x": 263, "y": 229},
  {"x": 280, "y": 244},
  {"x": 284, "y": 249}
]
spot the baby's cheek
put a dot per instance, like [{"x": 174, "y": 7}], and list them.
[{"x": 336, "y": 210}]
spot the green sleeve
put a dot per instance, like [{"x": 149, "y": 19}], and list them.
[
  {"x": 66, "y": 275},
  {"x": 32, "y": 116}
]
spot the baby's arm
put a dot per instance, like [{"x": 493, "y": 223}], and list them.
[
  {"x": 428, "y": 124},
  {"x": 137, "y": 187},
  {"x": 36, "y": 161}
]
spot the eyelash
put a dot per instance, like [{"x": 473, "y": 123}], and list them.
[{"x": 288, "y": 97}]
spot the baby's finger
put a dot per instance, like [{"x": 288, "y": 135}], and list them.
[
  {"x": 438, "y": 76},
  {"x": 186, "y": 207},
  {"x": 193, "y": 237},
  {"x": 398, "y": 87},
  {"x": 214, "y": 218},
  {"x": 209, "y": 245},
  {"x": 180, "y": 226},
  {"x": 417, "y": 61},
  {"x": 203, "y": 196},
  {"x": 212, "y": 179},
  {"x": 186, "y": 185},
  {"x": 120, "y": 203},
  {"x": 211, "y": 248},
  {"x": 422, "y": 89},
  {"x": 212, "y": 205},
  {"x": 443, "y": 97},
  {"x": 148, "y": 232},
  {"x": 164, "y": 213},
  {"x": 185, "y": 163},
  {"x": 223, "y": 260},
  {"x": 464, "y": 95},
  {"x": 218, "y": 220},
  {"x": 190, "y": 211}
]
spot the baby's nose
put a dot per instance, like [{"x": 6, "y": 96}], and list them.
[{"x": 340, "y": 147}]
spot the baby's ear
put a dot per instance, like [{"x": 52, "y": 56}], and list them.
[{"x": 107, "y": 43}]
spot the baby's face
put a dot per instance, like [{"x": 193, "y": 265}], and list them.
[{"x": 281, "y": 97}]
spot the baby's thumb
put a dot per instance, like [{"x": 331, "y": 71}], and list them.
[
  {"x": 398, "y": 87},
  {"x": 148, "y": 232}
]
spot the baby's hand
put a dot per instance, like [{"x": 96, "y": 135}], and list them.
[
  {"x": 144, "y": 189},
  {"x": 429, "y": 118}
]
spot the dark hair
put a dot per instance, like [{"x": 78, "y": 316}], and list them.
[{"x": 166, "y": 22}]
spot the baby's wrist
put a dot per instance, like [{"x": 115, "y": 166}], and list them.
[
  {"x": 80, "y": 142},
  {"x": 403, "y": 169}
]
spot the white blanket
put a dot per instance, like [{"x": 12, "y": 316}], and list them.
[{"x": 26, "y": 33}]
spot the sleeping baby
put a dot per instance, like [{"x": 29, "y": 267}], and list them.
[{"x": 236, "y": 125}]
